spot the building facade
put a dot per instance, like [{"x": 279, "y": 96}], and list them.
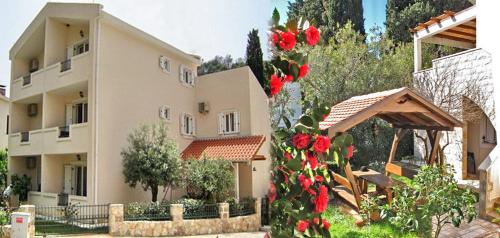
[
  {"x": 465, "y": 83},
  {"x": 82, "y": 80}
]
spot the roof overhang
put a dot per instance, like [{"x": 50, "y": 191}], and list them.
[
  {"x": 451, "y": 29},
  {"x": 234, "y": 149},
  {"x": 402, "y": 108}
]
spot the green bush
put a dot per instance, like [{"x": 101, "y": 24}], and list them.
[
  {"x": 4, "y": 217},
  {"x": 147, "y": 211},
  {"x": 20, "y": 186}
]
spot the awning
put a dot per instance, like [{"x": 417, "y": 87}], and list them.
[
  {"x": 401, "y": 107},
  {"x": 236, "y": 149}
]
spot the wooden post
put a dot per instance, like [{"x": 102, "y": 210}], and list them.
[
  {"x": 434, "y": 148},
  {"x": 400, "y": 133},
  {"x": 354, "y": 184}
]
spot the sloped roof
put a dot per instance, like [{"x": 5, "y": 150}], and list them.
[
  {"x": 401, "y": 107},
  {"x": 236, "y": 149}
]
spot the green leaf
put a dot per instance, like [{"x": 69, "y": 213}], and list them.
[
  {"x": 287, "y": 122},
  {"x": 276, "y": 17},
  {"x": 294, "y": 71},
  {"x": 294, "y": 164},
  {"x": 307, "y": 121}
]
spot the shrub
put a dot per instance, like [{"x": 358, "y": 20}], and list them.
[
  {"x": 209, "y": 179},
  {"x": 434, "y": 193},
  {"x": 4, "y": 217},
  {"x": 147, "y": 211},
  {"x": 20, "y": 186}
]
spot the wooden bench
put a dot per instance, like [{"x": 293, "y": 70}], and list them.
[{"x": 401, "y": 169}]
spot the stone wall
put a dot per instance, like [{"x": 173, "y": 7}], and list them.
[
  {"x": 5, "y": 231},
  {"x": 178, "y": 226}
]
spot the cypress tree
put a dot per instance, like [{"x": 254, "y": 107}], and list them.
[{"x": 254, "y": 57}]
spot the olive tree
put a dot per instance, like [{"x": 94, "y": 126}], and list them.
[{"x": 151, "y": 159}]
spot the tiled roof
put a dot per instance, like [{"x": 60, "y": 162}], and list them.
[
  {"x": 233, "y": 148},
  {"x": 354, "y": 105}
]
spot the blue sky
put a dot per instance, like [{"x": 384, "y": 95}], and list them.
[{"x": 205, "y": 28}]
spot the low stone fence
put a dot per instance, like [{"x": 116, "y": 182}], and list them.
[
  {"x": 179, "y": 226},
  {"x": 5, "y": 231}
]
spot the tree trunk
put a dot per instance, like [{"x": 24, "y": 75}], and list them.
[{"x": 154, "y": 193}]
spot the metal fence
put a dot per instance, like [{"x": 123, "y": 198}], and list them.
[
  {"x": 71, "y": 219},
  {"x": 242, "y": 208},
  {"x": 265, "y": 211},
  {"x": 27, "y": 80},
  {"x": 147, "y": 212},
  {"x": 201, "y": 211}
]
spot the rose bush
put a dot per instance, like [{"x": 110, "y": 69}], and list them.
[{"x": 301, "y": 153}]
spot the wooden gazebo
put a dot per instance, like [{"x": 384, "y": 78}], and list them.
[{"x": 404, "y": 110}]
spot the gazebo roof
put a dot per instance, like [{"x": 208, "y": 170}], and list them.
[{"x": 401, "y": 107}]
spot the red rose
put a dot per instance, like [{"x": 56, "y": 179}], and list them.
[
  {"x": 305, "y": 182},
  {"x": 303, "y": 70},
  {"x": 316, "y": 220},
  {"x": 326, "y": 225},
  {"x": 321, "y": 144},
  {"x": 321, "y": 201},
  {"x": 350, "y": 151},
  {"x": 272, "y": 193},
  {"x": 301, "y": 141},
  {"x": 275, "y": 38},
  {"x": 319, "y": 178},
  {"x": 312, "y": 36},
  {"x": 287, "y": 41},
  {"x": 288, "y": 78},
  {"x": 276, "y": 84},
  {"x": 302, "y": 225},
  {"x": 312, "y": 160},
  {"x": 311, "y": 192},
  {"x": 288, "y": 156}
]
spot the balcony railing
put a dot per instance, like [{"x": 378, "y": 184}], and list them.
[
  {"x": 25, "y": 136},
  {"x": 65, "y": 65},
  {"x": 27, "y": 80},
  {"x": 63, "y": 131}
]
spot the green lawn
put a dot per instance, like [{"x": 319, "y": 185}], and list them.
[
  {"x": 343, "y": 226},
  {"x": 49, "y": 227}
]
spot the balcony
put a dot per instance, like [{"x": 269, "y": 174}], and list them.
[
  {"x": 26, "y": 143},
  {"x": 67, "y": 139},
  {"x": 74, "y": 70}
]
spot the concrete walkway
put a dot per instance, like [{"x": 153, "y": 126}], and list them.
[
  {"x": 233, "y": 235},
  {"x": 478, "y": 228}
]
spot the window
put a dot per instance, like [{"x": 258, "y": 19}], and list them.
[
  {"x": 165, "y": 64},
  {"x": 81, "y": 47},
  {"x": 165, "y": 113},
  {"x": 229, "y": 122},
  {"x": 81, "y": 180},
  {"x": 80, "y": 111},
  {"x": 490, "y": 135},
  {"x": 186, "y": 76},
  {"x": 187, "y": 124}
]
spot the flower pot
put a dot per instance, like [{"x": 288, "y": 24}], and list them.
[{"x": 375, "y": 215}]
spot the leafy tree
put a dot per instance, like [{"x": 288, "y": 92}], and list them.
[
  {"x": 151, "y": 159},
  {"x": 21, "y": 185},
  {"x": 433, "y": 194},
  {"x": 220, "y": 63},
  {"x": 209, "y": 179},
  {"x": 402, "y": 15},
  {"x": 254, "y": 57},
  {"x": 3, "y": 169}
]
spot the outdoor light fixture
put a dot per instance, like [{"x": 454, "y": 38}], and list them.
[
  {"x": 81, "y": 94},
  {"x": 375, "y": 129},
  {"x": 81, "y": 33}
]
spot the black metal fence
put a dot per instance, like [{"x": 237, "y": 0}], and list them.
[
  {"x": 201, "y": 211},
  {"x": 265, "y": 211},
  {"x": 71, "y": 219},
  {"x": 242, "y": 208},
  {"x": 147, "y": 212}
]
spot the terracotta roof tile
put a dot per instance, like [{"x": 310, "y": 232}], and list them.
[
  {"x": 353, "y": 105},
  {"x": 234, "y": 148}
]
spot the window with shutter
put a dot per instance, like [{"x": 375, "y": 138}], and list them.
[
  {"x": 186, "y": 76},
  {"x": 165, "y": 64},
  {"x": 187, "y": 124},
  {"x": 229, "y": 122},
  {"x": 489, "y": 132},
  {"x": 165, "y": 113}
]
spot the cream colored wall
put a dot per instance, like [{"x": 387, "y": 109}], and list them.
[
  {"x": 131, "y": 88},
  {"x": 53, "y": 171},
  {"x": 73, "y": 34},
  {"x": 245, "y": 180},
  {"x": 54, "y": 110},
  {"x": 4, "y": 112},
  {"x": 227, "y": 90},
  {"x": 55, "y": 42},
  {"x": 21, "y": 122}
]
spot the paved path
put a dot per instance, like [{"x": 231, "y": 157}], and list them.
[
  {"x": 478, "y": 228},
  {"x": 233, "y": 235}
]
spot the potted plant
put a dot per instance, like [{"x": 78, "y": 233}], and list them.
[{"x": 370, "y": 208}]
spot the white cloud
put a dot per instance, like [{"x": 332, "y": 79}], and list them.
[{"x": 206, "y": 28}]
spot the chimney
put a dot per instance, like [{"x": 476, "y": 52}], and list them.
[{"x": 2, "y": 90}]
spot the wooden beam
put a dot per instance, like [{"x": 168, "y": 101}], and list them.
[
  {"x": 451, "y": 33},
  {"x": 420, "y": 127},
  {"x": 465, "y": 29},
  {"x": 437, "y": 119},
  {"x": 355, "y": 187},
  {"x": 434, "y": 148},
  {"x": 441, "y": 35},
  {"x": 400, "y": 133},
  {"x": 416, "y": 119}
]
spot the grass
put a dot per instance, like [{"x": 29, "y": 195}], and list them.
[
  {"x": 343, "y": 226},
  {"x": 50, "y": 227}
]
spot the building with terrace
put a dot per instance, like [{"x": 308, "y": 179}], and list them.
[
  {"x": 464, "y": 85},
  {"x": 83, "y": 79}
]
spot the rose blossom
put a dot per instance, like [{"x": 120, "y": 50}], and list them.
[
  {"x": 312, "y": 160},
  {"x": 276, "y": 84},
  {"x": 275, "y": 38},
  {"x": 301, "y": 141},
  {"x": 350, "y": 151},
  {"x": 321, "y": 144},
  {"x": 272, "y": 193},
  {"x": 326, "y": 225},
  {"x": 319, "y": 178},
  {"x": 316, "y": 220},
  {"x": 302, "y": 225},
  {"x": 287, "y": 41},
  {"x": 288, "y": 78},
  {"x": 305, "y": 182},
  {"x": 288, "y": 156},
  {"x": 312, "y": 36},
  {"x": 321, "y": 201},
  {"x": 303, "y": 70}
]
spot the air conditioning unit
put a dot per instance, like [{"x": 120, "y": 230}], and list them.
[
  {"x": 34, "y": 65},
  {"x": 203, "y": 107},
  {"x": 32, "y": 109}
]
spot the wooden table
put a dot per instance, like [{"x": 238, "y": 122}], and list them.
[{"x": 383, "y": 182}]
